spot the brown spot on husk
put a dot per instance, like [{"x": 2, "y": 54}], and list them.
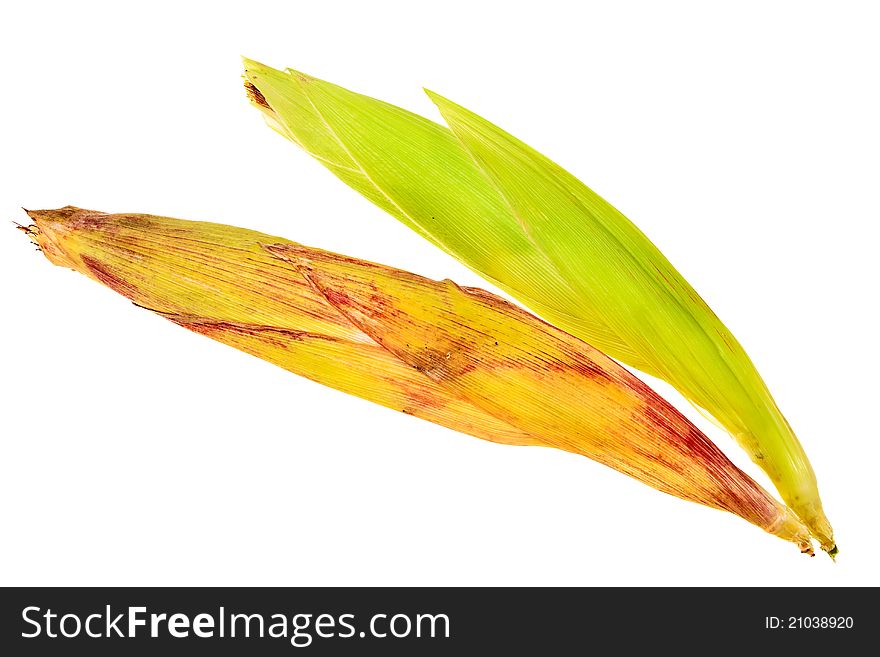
[
  {"x": 67, "y": 219},
  {"x": 256, "y": 96},
  {"x": 439, "y": 363},
  {"x": 277, "y": 335},
  {"x": 423, "y": 400},
  {"x": 336, "y": 297},
  {"x": 108, "y": 278}
]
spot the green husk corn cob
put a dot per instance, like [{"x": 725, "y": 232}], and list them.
[
  {"x": 533, "y": 229},
  {"x": 460, "y": 357}
]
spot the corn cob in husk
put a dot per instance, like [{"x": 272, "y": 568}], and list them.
[{"x": 460, "y": 357}]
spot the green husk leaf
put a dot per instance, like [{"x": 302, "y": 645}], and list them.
[{"x": 533, "y": 229}]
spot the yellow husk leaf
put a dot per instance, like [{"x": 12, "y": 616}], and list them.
[{"x": 460, "y": 357}]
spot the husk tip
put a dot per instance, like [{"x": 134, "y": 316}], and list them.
[
  {"x": 436, "y": 98},
  {"x": 252, "y": 65}
]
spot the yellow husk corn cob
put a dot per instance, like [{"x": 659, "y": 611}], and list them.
[{"x": 460, "y": 357}]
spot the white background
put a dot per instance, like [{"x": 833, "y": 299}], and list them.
[{"x": 743, "y": 140}]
